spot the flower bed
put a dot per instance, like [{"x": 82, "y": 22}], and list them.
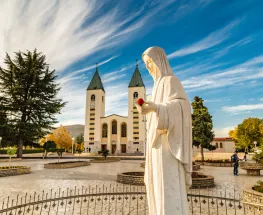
[
  {"x": 216, "y": 163},
  {"x": 133, "y": 178},
  {"x": 14, "y": 170},
  {"x": 200, "y": 181},
  {"x": 103, "y": 160},
  {"x": 64, "y": 165}
]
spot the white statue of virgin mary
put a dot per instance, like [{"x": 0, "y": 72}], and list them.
[{"x": 168, "y": 164}]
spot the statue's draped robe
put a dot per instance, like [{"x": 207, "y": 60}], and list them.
[{"x": 169, "y": 149}]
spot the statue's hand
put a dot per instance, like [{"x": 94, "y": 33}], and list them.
[{"x": 148, "y": 107}]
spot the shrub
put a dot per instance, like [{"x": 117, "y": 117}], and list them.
[
  {"x": 104, "y": 153},
  {"x": 259, "y": 186}
]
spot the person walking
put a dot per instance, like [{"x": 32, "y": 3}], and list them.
[{"x": 235, "y": 160}]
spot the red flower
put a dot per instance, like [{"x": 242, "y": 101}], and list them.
[{"x": 140, "y": 101}]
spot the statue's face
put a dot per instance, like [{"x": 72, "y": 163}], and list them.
[{"x": 149, "y": 63}]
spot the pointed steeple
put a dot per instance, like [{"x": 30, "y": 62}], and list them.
[
  {"x": 96, "y": 83},
  {"x": 136, "y": 80}
]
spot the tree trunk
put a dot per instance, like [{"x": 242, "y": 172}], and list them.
[
  {"x": 20, "y": 148},
  {"x": 202, "y": 153}
]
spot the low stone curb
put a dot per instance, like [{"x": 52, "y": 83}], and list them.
[
  {"x": 133, "y": 178},
  {"x": 15, "y": 170},
  {"x": 13, "y": 159},
  {"x": 253, "y": 198},
  {"x": 64, "y": 165},
  {"x": 104, "y": 161},
  {"x": 206, "y": 181}
]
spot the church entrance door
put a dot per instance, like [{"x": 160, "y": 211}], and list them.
[
  {"x": 113, "y": 148},
  {"x": 123, "y": 148}
]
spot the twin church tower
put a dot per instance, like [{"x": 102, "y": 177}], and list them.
[{"x": 118, "y": 134}]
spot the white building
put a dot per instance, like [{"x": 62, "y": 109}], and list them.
[{"x": 118, "y": 134}]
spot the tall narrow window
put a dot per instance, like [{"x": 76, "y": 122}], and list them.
[
  {"x": 104, "y": 130},
  {"x": 124, "y": 130},
  {"x": 114, "y": 127},
  {"x": 102, "y": 98},
  {"x": 135, "y": 95},
  {"x": 92, "y": 98},
  {"x": 221, "y": 145},
  {"x": 216, "y": 145}
]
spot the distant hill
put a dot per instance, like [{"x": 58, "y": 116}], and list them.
[{"x": 75, "y": 130}]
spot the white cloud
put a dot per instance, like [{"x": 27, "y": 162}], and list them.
[
  {"x": 72, "y": 75},
  {"x": 242, "y": 108},
  {"x": 211, "y": 40},
  {"x": 223, "y": 132},
  {"x": 59, "y": 29},
  {"x": 247, "y": 71}
]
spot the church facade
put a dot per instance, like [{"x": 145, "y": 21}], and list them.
[{"x": 118, "y": 134}]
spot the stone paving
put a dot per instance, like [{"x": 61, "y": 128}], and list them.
[{"x": 97, "y": 174}]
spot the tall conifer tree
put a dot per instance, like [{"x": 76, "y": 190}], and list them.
[
  {"x": 202, "y": 124},
  {"x": 28, "y": 96}
]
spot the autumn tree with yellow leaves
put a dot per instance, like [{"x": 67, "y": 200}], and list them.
[{"x": 60, "y": 136}]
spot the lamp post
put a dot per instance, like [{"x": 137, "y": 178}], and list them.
[{"x": 73, "y": 139}]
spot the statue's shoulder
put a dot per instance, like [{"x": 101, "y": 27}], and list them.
[{"x": 169, "y": 79}]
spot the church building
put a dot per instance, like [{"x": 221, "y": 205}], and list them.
[{"x": 118, "y": 134}]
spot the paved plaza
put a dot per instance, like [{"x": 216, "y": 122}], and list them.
[{"x": 97, "y": 174}]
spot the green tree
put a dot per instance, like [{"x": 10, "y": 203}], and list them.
[
  {"x": 11, "y": 152},
  {"x": 29, "y": 96},
  {"x": 80, "y": 138},
  {"x": 49, "y": 145},
  {"x": 202, "y": 124},
  {"x": 248, "y": 131}
]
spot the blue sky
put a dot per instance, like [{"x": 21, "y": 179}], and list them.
[{"x": 214, "y": 48}]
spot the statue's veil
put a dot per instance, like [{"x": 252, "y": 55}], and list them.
[{"x": 158, "y": 56}]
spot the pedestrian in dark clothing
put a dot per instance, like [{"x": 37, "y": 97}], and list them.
[
  {"x": 89, "y": 149},
  {"x": 235, "y": 160}
]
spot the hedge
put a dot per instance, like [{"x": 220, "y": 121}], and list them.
[{"x": 29, "y": 151}]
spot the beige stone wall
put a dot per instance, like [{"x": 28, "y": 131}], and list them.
[
  {"x": 224, "y": 147},
  {"x": 114, "y": 138},
  {"x": 216, "y": 155}
]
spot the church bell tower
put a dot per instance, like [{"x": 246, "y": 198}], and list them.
[
  {"x": 95, "y": 109},
  {"x": 136, "y": 121}
]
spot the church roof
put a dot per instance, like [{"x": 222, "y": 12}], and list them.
[
  {"x": 136, "y": 80},
  {"x": 96, "y": 83}
]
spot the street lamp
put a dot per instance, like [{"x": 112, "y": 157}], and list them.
[{"x": 73, "y": 139}]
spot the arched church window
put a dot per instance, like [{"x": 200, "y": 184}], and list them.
[
  {"x": 104, "y": 130},
  {"x": 221, "y": 145},
  {"x": 92, "y": 97},
  {"x": 135, "y": 95},
  {"x": 216, "y": 145},
  {"x": 114, "y": 127},
  {"x": 124, "y": 130}
]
